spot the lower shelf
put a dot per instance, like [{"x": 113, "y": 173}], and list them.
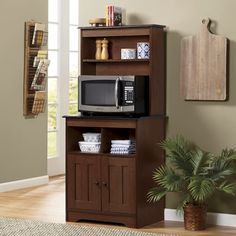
[{"x": 101, "y": 154}]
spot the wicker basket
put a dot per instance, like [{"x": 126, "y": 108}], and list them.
[{"x": 195, "y": 217}]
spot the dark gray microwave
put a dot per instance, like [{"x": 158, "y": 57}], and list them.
[{"x": 104, "y": 94}]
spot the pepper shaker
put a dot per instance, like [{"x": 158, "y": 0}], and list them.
[{"x": 104, "y": 54}]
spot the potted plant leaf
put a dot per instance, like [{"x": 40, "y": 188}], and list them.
[{"x": 197, "y": 175}]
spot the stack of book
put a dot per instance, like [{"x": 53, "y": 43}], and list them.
[
  {"x": 113, "y": 16},
  {"x": 123, "y": 147}
]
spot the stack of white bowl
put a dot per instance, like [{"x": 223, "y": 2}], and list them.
[{"x": 91, "y": 143}]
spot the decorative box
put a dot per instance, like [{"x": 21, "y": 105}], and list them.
[
  {"x": 143, "y": 50},
  {"x": 128, "y": 53}
]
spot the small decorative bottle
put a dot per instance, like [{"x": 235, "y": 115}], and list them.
[
  {"x": 98, "y": 49},
  {"x": 104, "y": 54}
]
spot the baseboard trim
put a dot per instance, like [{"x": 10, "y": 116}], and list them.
[
  {"x": 212, "y": 218},
  {"x": 24, "y": 183}
]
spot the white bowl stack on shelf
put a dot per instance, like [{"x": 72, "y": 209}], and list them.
[
  {"x": 91, "y": 143},
  {"x": 123, "y": 147}
]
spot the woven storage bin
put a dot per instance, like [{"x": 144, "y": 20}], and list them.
[{"x": 195, "y": 217}]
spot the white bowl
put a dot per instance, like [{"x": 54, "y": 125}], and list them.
[
  {"x": 91, "y": 147},
  {"x": 92, "y": 137}
]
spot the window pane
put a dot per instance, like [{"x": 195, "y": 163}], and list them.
[
  {"x": 52, "y": 121},
  {"x": 74, "y": 12},
  {"x": 73, "y": 109},
  {"x": 74, "y": 64},
  {"x": 73, "y": 90},
  {"x": 52, "y": 36},
  {"x": 74, "y": 38},
  {"x": 52, "y": 144},
  {"x": 53, "y": 68},
  {"x": 53, "y": 10},
  {"x": 52, "y": 90}
]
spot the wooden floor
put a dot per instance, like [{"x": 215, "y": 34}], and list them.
[{"x": 47, "y": 203}]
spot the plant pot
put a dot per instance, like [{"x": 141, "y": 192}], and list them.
[{"x": 195, "y": 217}]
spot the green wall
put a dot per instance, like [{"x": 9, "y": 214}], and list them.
[
  {"x": 23, "y": 152},
  {"x": 212, "y": 125}
]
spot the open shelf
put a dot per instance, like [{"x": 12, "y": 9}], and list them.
[
  {"x": 115, "y": 60},
  {"x": 75, "y": 134}
]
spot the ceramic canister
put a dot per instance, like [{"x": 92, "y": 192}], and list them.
[
  {"x": 143, "y": 50},
  {"x": 128, "y": 53}
]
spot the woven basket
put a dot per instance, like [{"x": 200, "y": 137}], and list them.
[{"x": 195, "y": 217}]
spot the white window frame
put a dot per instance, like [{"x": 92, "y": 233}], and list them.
[{"x": 56, "y": 165}]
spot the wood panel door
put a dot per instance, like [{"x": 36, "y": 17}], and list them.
[
  {"x": 118, "y": 184},
  {"x": 83, "y": 181}
]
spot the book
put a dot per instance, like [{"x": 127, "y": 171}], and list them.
[
  {"x": 39, "y": 80},
  {"x": 38, "y": 33},
  {"x": 39, "y": 102},
  {"x": 116, "y": 16},
  {"x": 42, "y": 54},
  {"x": 112, "y": 15},
  {"x": 107, "y": 10},
  {"x": 109, "y": 15}
]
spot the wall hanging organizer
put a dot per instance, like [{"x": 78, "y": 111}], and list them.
[
  {"x": 204, "y": 65},
  {"x": 35, "y": 69}
]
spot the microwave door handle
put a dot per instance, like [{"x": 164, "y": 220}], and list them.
[{"x": 116, "y": 93}]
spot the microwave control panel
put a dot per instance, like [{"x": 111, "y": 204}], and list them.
[{"x": 128, "y": 92}]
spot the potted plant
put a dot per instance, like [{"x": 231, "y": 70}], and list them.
[{"x": 196, "y": 174}]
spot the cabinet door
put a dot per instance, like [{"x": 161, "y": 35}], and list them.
[
  {"x": 83, "y": 182},
  {"x": 118, "y": 185}
]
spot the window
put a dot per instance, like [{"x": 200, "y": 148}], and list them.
[
  {"x": 63, "y": 44},
  {"x": 73, "y": 56}
]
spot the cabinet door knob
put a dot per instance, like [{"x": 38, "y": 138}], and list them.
[
  {"x": 104, "y": 184},
  {"x": 97, "y": 183}
]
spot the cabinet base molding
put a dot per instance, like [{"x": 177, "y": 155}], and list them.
[{"x": 73, "y": 216}]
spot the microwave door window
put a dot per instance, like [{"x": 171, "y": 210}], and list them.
[{"x": 98, "y": 93}]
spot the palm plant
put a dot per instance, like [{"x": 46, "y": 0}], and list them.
[{"x": 195, "y": 173}]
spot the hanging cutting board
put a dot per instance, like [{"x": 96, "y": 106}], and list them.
[{"x": 204, "y": 65}]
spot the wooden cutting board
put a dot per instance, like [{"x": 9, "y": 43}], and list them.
[{"x": 204, "y": 65}]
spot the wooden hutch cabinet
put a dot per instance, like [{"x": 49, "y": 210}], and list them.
[{"x": 110, "y": 187}]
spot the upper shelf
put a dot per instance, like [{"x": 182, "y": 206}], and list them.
[
  {"x": 115, "y": 31},
  {"x": 124, "y": 26},
  {"x": 115, "y": 60}
]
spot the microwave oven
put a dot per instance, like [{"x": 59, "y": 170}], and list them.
[{"x": 113, "y": 95}]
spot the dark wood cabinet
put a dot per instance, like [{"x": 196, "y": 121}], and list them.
[
  {"x": 113, "y": 188},
  {"x": 84, "y": 182},
  {"x": 101, "y": 183},
  {"x": 118, "y": 185},
  {"x": 107, "y": 187}
]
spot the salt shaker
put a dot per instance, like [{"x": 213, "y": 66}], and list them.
[{"x": 98, "y": 49}]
